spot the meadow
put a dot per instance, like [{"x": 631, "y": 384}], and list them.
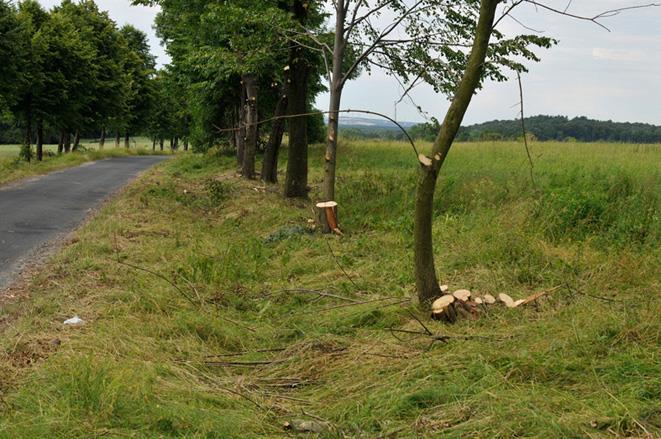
[{"x": 213, "y": 309}]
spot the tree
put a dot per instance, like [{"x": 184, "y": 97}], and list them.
[
  {"x": 138, "y": 65},
  {"x": 424, "y": 41},
  {"x": 425, "y": 272},
  {"x": 10, "y": 48},
  {"x": 481, "y": 24}
]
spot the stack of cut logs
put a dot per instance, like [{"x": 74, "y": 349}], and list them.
[{"x": 462, "y": 303}]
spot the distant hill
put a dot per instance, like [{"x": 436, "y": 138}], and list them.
[{"x": 559, "y": 128}]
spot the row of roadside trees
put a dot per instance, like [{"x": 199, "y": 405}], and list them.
[{"x": 72, "y": 71}]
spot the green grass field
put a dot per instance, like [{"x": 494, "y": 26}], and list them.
[
  {"x": 237, "y": 342},
  {"x": 12, "y": 169}
]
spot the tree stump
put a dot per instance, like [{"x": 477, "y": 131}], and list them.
[{"x": 327, "y": 217}]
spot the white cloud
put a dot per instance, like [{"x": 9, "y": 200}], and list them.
[{"x": 618, "y": 55}]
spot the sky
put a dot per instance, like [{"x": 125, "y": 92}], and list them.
[{"x": 592, "y": 72}]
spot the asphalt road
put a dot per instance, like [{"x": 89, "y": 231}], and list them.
[{"x": 37, "y": 211}]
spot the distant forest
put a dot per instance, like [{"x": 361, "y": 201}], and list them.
[{"x": 559, "y": 128}]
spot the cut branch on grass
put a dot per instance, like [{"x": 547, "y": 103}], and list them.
[
  {"x": 340, "y": 266},
  {"x": 382, "y": 299},
  {"x": 320, "y": 293},
  {"x": 244, "y": 363}
]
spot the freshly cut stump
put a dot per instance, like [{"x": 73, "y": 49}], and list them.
[
  {"x": 327, "y": 217},
  {"x": 442, "y": 309},
  {"x": 507, "y": 300},
  {"x": 463, "y": 295}
]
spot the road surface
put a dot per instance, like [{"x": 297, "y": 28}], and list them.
[{"x": 35, "y": 212}]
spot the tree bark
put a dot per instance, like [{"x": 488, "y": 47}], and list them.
[
  {"x": 117, "y": 137},
  {"x": 102, "y": 140},
  {"x": 425, "y": 271},
  {"x": 176, "y": 143},
  {"x": 185, "y": 143},
  {"x": 40, "y": 139},
  {"x": 127, "y": 140},
  {"x": 26, "y": 149},
  {"x": 270, "y": 163},
  {"x": 153, "y": 144},
  {"x": 250, "y": 149},
  {"x": 171, "y": 143},
  {"x": 296, "y": 182},
  {"x": 330, "y": 158},
  {"x": 241, "y": 133},
  {"x": 67, "y": 141},
  {"x": 76, "y": 140},
  {"x": 60, "y": 145},
  {"x": 160, "y": 143}
]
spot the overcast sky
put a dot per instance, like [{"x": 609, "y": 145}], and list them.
[{"x": 592, "y": 72}]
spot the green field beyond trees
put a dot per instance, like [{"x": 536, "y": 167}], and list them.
[{"x": 262, "y": 322}]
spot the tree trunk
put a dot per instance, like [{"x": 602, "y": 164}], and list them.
[
  {"x": 248, "y": 165},
  {"x": 160, "y": 143},
  {"x": 176, "y": 143},
  {"x": 76, "y": 140},
  {"x": 127, "y": 140},
  {"x": 60, "y": 145},
  {"x": 296, "y": 182},
  {"x": 117, "y": 137},
  {"x": 185, "y": 143},
  {"x": 330, "y": 158},
  {"x": 40, "y": 139},
  {"x": 171, "y": 143},
  {"x": 425, "y": 272},
  {"x": 67, "y": 142},
  {"x": 241, "y": 133},
  {"x": 102, "y": 140},
  {"x": 270, "y": 163},
  {"x": 153, "y": 144},
  {"x": 26, "y": 149}
]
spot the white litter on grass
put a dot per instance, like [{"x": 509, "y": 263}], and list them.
[{"x": 74, "y": 321}]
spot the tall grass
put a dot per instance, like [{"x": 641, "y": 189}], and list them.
[{"x": 152, "y": 360}]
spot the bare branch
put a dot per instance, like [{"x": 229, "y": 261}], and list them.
[{"x": 594, "y": 19}]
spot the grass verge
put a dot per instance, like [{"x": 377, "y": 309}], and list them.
[{"x": 238, "y": 339}]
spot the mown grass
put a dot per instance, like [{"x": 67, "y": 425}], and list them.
[
  {"x": 152, "y": 360},
  {"x": 11, "y": 168}
]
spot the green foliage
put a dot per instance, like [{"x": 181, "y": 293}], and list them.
[{"x": 561, "y": 128}]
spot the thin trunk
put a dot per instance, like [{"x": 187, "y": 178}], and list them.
[
  {"x": 171, "y": 143},
  {"x": 153, "y": 144},
  {"x": 117, "y": 137},
  {"x": 270, "y": 163},
  {"x": 296, "y": 182},
  {"x": 176, "y": 143},
  {"x": 40, "y": 139},
  {"x": 160, "y": 143},
  {"x": 26, "y": 149},
  {"x": 185, "y": 143},
  {"x": 248, "y": 165},
  {"x": 127, "y": 140},
  {"x": 102, "y": 140},
  {"x": 60, "y": 145},
  {"x": 330, "y": 158},
  {"x": 67, "y": 142},
  {"x": 425, "y": 271},
  {"x": 76, "y": 140},
  {"x": 241, "y": 137}
]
